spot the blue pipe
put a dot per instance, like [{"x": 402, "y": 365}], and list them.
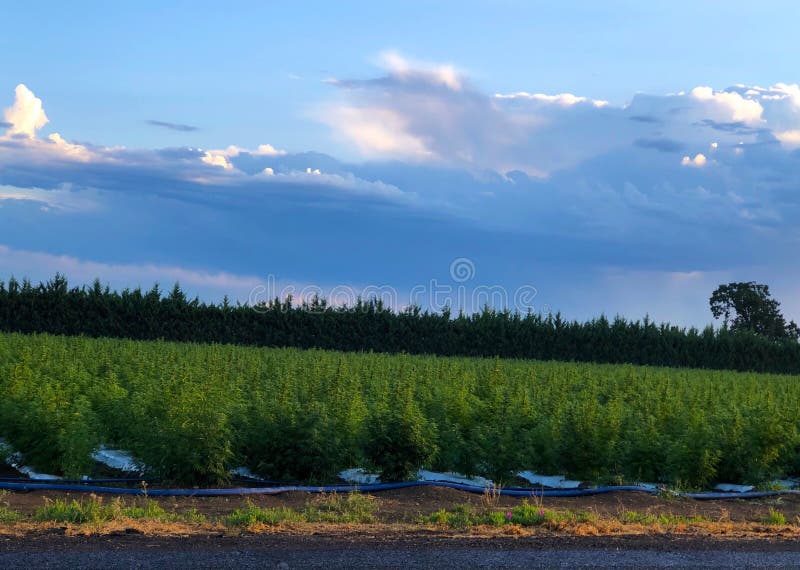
[{"x": 377, "y": 487}]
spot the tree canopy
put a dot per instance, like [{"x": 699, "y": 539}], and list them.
[{"x": 749, "y": 306}]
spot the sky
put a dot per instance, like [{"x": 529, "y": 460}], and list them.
[{"x": 616, "y": 158}]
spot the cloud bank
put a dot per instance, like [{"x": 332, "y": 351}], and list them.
[{"x": 555, "y": 190}]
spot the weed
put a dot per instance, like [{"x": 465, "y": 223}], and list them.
[
  {"x": 94, "y": 511},
  {"x": 251, "y": 515},
  {"x": 342, "y": 508},
  {"x": 78, "y": 512},
  {"x": 460, "y": 517},
  {"x": 647, "y": 519},
  {"x": 491, "y": 496},
  {"x": 774, "y": 517}
]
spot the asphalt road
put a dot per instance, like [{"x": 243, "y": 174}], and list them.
[{"x": 312, "y": 552}]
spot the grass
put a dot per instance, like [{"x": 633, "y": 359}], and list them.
[
  {"x": 775, "y": 518},
  {"x": 93, "y": 514},
  {"x": 7, "y": 515},
  {"x": 635, "y": 517},
  {"x": 341, "y": 508},
  {"x": 95, "y": 511},
  {"x": 252, "y": 515},
  {"x": 525, "y": 514}
]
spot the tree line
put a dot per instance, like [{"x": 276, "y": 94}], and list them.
[{"x": 96, "y": 311}]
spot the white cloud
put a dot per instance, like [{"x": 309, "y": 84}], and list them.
[
  {"x": 739, "y": 108},
  {"x": 221, "y": 157},
  {"x": 403, "y": 68},
  {"x": 268, "y": 150},
  {"x": 261, "y": 150},
  {"x": 604, "y": 168},
  {"x": 64, "y": 198},
  {"x": 790, "y": 139},
  {"x": 70, "y": 150},
  {"x": 563, "y": 99},
  {"x": 377, "y": 132},
  {"x": 699, "y": 160},
  {"x": 26, "y": 115},
  {"x": 346, "y": 182},
  {"x": 217, "y": 158},
  {"x": 408, "y": 115}
]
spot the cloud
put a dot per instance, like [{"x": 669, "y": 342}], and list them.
[
  {"x": 26, "y": 115},
  {"x": 172, "y": 126},
  {"x": 562, "y": 99},
  {"x": 404, "y": 69},
  {"x": 538, "y": 188},
  {"x": 789, "y": 138},
  {"x": 699, "y": 160},
  {"x": 63, "y": 198},
  {"x": 217, "y": 158},
  {"x": 377, "y": 132},
  {"x": 739, "y": 107},
  {"x": 415, "y": 113},
  {"x": 39, "y": 166},
  {"x": 261, "y": 150},
  {"x": 41, "y": 266}
]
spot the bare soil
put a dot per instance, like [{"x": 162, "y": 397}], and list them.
[{"x": 407, "y": 505}]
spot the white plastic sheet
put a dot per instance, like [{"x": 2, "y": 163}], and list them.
[
  {"x": 551, "y": 481},
  {"x": 359, "y": 476},
  {"x": 117, "y": 459},
  {"x": 244, "y": 472},
  {"x": 450, "y": 477}
]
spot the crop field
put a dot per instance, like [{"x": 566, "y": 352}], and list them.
[{"x": 192, "y": 412}]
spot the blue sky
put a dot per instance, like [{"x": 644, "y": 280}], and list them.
[{"x": 620, "y": 157}]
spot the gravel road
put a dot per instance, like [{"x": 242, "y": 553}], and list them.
[
  {"x": 406, "y": 558},
  {"x": 320, "y": 552}
]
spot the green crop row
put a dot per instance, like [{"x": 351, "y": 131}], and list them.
[{"x": 192, "y": 412}]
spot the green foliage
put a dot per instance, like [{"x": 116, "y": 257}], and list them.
[
  {"x": 192, "y": 412},
  {"x": 400, "y": 439},
  {"x": 7, "y": 515},
  {"x": 635, "y": 517},
  {"x": 95, "y": 511},
  {"x": 347, "y": 508},
  {"x": 251, "y": 515},
  {"x": 524, "y": 514},
  {"x": 774, "y": 517},
  {"x": 91, "y": 511},
  {"x": 341, "y": 508},
  {"x": 750, "y": 307},
  {"x": 753, "y": 343},
  {"x": 461, "y": 516}
]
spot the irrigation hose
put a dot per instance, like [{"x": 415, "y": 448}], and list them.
[{"x": 377, "y": 487}]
